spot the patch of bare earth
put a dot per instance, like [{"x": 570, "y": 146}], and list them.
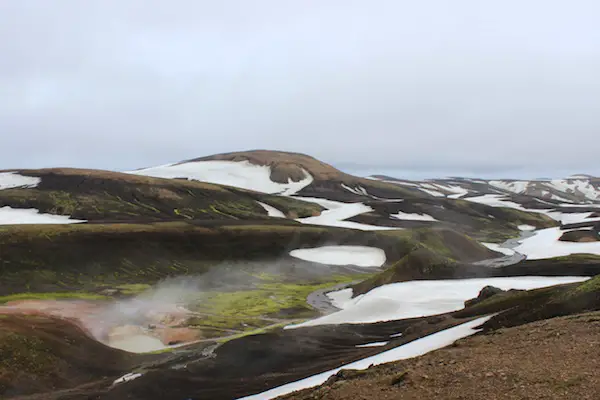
[{"x": 551, "y": 359}]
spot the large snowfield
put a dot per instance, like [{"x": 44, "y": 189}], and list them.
[
  {"x": 240, "y": 174},
  {"x": 412, "y": 349},
  {"x": 420, "y": 298},
  {"x": 361, "y": 256}
]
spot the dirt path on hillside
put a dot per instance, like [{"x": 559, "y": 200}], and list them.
[{"x": 551, "y": 359}]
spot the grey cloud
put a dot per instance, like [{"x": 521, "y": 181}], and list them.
[{"x": 462, "y": 85}]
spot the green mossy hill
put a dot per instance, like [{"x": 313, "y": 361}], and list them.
[
  {"x": 421, "y": 262},
  {"x": 437, "y": 253},
  {"x": 116, "y": 197},
  {"x": 571, "y": 265},
  {"x": 520, "y": 307},
  {"x": 40, "y": 354},
  {"x": 94, "y": 257}
]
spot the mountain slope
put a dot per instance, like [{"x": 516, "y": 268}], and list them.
[
  {"x": 95, "y": 195},
  {"x": 275, "y": 172}
]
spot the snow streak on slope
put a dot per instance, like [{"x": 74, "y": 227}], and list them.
[
  {"x": 10, "y": 180},
  {"x": 272, "y": 211},
  {"x": 495, "y": 200},
  {"x": 420, "y": 298},
  {"x": 232, "y": 173},
  {"x": 511, "y": 186},
  {"x": 496, "y": 247},
  {"x": 14, "y": 216},
  {"x": 413, "y": 217},
  {"x": 415, "y": 348},
  {"x": 361, "y": 256},
  {"x": 337, "y": 213}
]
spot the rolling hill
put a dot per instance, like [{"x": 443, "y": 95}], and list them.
[{"x": 220, "y": 267}]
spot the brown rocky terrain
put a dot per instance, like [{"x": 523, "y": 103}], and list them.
[{"x": 551, "y": 359}]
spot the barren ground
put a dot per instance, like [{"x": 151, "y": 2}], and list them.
[{"x": 551, "y": 359}]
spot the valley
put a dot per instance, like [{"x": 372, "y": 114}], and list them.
[{"x": 237, "y": 274}]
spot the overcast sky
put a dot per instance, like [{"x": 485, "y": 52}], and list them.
[{"x": 488, "y": 86}]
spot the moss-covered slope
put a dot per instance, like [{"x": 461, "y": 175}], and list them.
[{"x": 115, "y": 197}]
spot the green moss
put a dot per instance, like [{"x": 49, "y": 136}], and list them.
[
  {"x": 589, "y": 286},
  {"x": 51, "y": 296},
  {"x": 133, "y": 288},
  {"x": 250, "y": 309}
]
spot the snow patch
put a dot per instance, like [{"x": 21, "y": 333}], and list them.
[
  {"x": 232, "y": 173},
  {"x": 272, "y": 211},
  {"x": 15, "y": 216},
  {"x": 433, "y": 193},
  {"x": 359, "y": 190},
  {"x": 374, "y": 344},
  {"x": 11, "y": 180},
  {"x": 545, "y": 244},
  {"x": 415, "y": 348},
  {"x": 337, "y": 213},
  {"x": 361, "y": 256},
  {"x": 495, "y": 200},
  {"x": 127, "y": 378},
  {"x": 422, "y": 298},
  {"x": 511, "y": 186},
  {"x": 413, "y": 217},
  {"x": 527, "y": 228},
  {"x": 496, "y": 247}
]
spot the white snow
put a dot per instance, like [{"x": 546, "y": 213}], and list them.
[
  {"x": 272, "y": 211},
  {"x": 511, "y": 186},
  {"x": 359, "y": 190},
  {"x": 361, "y": 256},
  {"x": 138, "y": 344},
  {"x": 433, "y": 193},
  {"x": 568, "y": 218},
  {"x": 495, "y": 200},
  {"x": 457, "y": 191},
  {"x": 14, "y": 216},
  {"x": 415, "y": 348},
  {"x": 127, "y": 378},
  {"x": 337, "y": 213},
  {"x": 10, "y": 180},
  {"x": 545, "y": 244},
  {"x": 421, "y": 298},
  {"x": 581, "y": 205},
  {"x": 527, "y": 227},
  {"x": 413, "y": 217},
  {"x": 575, "y": 186},
  {"x": 232, "y": 173},
  {"x": 340, "y": 298},
  {"x": 496, "y": 247},
  {"x": 374, "y": 344}
]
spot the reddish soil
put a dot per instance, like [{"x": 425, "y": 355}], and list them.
[
  {"x": 90, "y": 316},
  {"x": 551, "y": 359}
]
